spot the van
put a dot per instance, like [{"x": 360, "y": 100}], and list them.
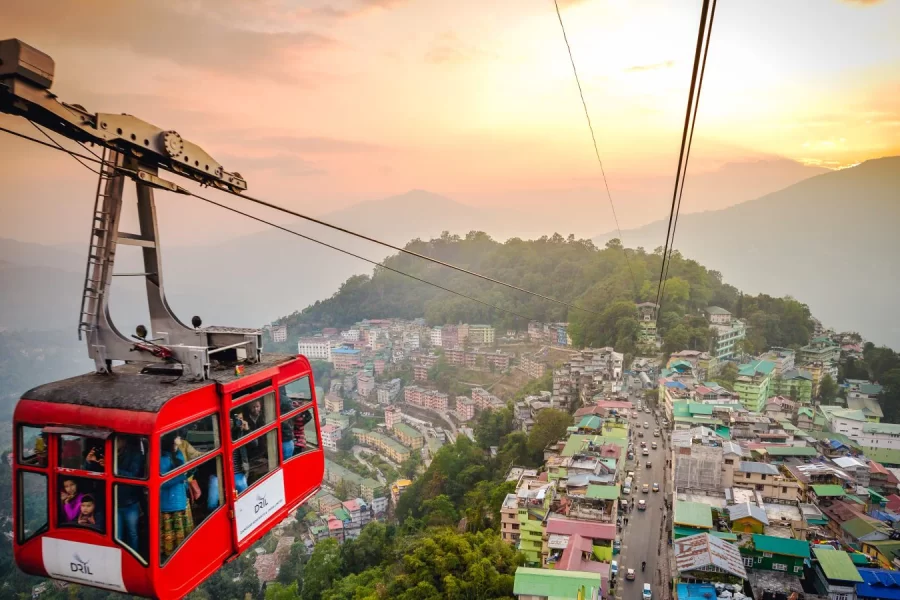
[{"x": 626, "y": 488}]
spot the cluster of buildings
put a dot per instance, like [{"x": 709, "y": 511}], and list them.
[
  {"x": 332, "y": 518},
  {"x": 553, "y": 334},
  {"x": 589, "y": 374}
]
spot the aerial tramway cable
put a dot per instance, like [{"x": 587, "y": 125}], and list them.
[
  {"x": 75, "y": 155},
  {"x": 703, "y": 36},
  {"x": 594, "y": 140}
]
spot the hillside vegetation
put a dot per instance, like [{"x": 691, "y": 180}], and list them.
[{"x": 572, "y": 270}]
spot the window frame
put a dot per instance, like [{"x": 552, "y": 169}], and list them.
[
  {"x": 159, "y": 435},
  {"x": 20, "y": 500},
  {"x": 115, "y": 474},
  {"x": 293, "y": 415},
  {"x": 61, "y": 474},
  {"x": 299, "y": 409},
  {"x": 19, "y": 440},
  {"x": 261, "y": 432},
  {"x": 57, "y": 458},
  {"x": 269, "y": 389},
  {"x": 222, "y": 502},
  {"x": 115, "y": 524}
]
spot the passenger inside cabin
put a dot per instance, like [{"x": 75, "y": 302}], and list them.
[
  {"x": 88, "y": 515},
  {"x": 175, "y": 522},
  {"x": 300, "y": 422},
  {"x": 130, "y": 462},
  {"x": 239, "y": 457},
  {"x": 70, "y": 501},
  {"x": 94, "y": 460}
]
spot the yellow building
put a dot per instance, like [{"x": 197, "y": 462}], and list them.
[
  {"x": 409, "y": 436},
  {"x": 391, "y": 448}
]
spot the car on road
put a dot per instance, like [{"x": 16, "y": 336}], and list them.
[
  {"x": 656, "y": 433},
  {"x": 642, "y": 505},
  {"x": 646, "y": 488},
  {"x": 647, "y": 410},
  {"x": 641, "y": 433},
  {"x": 631, "y": 455},
  {"x": 646, "y": 425},
  {"x": 629, "y": 474},
  {"x": 634, "y": 415},
  {"x": 629, "y": 575},
  {"x": 655, "y": 487},
  {"x": 645, "y": 452},
  {"x": 614, "y": 568},
  {"x": 649, "y": 465},
  {"x": 646, "y": 594},
  {"x": 654, "y": 445}
]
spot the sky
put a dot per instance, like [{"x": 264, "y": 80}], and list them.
[{"x": 322, "y": 104}]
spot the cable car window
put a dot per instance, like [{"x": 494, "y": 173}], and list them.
[
  {"x": 295, "y": 394},
  {"x": 298, "y": 434},
  {"x": 255, "y": 459},
  {"x": 32, "y": 449},
  {"x": 252, "y": 389},
  {"x": 131, "y": 524},
  {"x": 250, "y": 416},
  {"x": 186, "y": 500},
  {"x": 83, "y": 453},
  {"x": 32, "y": 505},
  {"x": 82, "y": 502},
  {"x": 194, "y": 441},
  {"x": 132, "y": 453}
]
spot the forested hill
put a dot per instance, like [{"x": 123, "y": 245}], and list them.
[{"x": 575, "y": 271}]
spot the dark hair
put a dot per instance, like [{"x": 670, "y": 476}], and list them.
[
  {"x": 167, "y": 443},
  {"x": 87, "y": 498}
]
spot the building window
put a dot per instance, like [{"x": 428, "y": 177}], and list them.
[
  {"x": 32, "y": 447},
  {"x": 130, "y": 460},
  {"x": 784, "y": 490},
  {"x": 257, "y": 458},
  {"x": 779, "y": 567},
  {"x": 748, "y": 562},
  {"x": 298, "y": 433},
  {"x": 767, "y": 555},
  {"x": 252, "y": 415},
  {"x": 295, "y": 394},
  {"x": 187, "y": 444},
  {"x": 82, "y": 453},
  {"x": 186, "y": 500},
  {"x": 131, "y": 519}
]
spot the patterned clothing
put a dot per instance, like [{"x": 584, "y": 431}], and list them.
[{"x": 174, "y": 527}]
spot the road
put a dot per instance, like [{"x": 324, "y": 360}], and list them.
[{"x": 643, "y": 538}]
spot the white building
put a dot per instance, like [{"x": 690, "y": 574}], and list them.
[
  {"x": 279, "y": 333},
  {"x": 379, "y": 506},
  {"x": 435, "y": 336},
  {"x": 330, "y": 437},
  {"x": 316, "y": 348},
  {"x": 365, "y": 385},
  {"x": 350, "y": 335}
]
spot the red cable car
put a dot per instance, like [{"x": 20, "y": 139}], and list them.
[{"x": 184, "y": 448}]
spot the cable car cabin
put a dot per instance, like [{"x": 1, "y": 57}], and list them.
[{"x": 145, "y": 484}]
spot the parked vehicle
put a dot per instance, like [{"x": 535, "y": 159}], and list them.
[{"x": 646, "y": 594}]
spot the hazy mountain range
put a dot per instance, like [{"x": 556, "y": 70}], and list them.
[{"x": 827, "y": 241}]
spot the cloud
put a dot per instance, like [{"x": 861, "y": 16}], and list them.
[
  {"x": 653, "y": 67},
  {"x": 447, "y": 48},
  {"x": 314, "y": 145},
  {"x": 189, "y": 38}
]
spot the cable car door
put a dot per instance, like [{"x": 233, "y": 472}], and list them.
[{"x": 258, "y": 490}]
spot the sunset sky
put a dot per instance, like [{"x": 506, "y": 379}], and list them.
[{"x": 323, "y": 104}]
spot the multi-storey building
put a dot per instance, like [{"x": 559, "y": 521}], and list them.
[
  {"x": 752, "y": 384},
  {"x": 450, "y": 336},
  {"x": 279, "y": 333},
  {"x": 364, "y": 486},
  {"x": 481, "y": 335},
  {"x": 392, "y": 416},
  {"x": 315, "y": 348},
  {"x": 345, "y": 358},
  {"x": 796, "y": 384},
  {"x": 509, "y": 520},
  {"x": 718, "y": 315},
  {"x": 532, "y": 367},
  {"x": 782, "y": 358},
  {"x": 391, "y": 448},
  {"x": 420, "y": 372},
  {"x": 435, "y": 337},
  {"x": 821, "y": 349},
  {"x": 409, "y": 436},
  {"x": 330, "y": 437},
  {"x": 350, "y": 335},
  {"x": 397, "y": 489},
  {"x": 365, "y": 385},
  {"x": 333, "y": 403},
  {"x": 465, "y": 408}
]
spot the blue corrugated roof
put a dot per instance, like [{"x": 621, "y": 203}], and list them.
[
  {"x": 879, "y": 583},
  {"x": 676, "y": 384}
]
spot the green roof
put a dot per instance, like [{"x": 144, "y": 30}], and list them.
[
  {"x": 693, "y": 514},
  {"x": 762, "y": 367},
  {"x": 889, "y": 428},
  {"x": 830, "y": 435},
  {"x": 854, "y": 498},
  {"x": 858, "y": 527},
  {"x": 723, "y": 535},
  {"x": 577, "y": 442},
  {"x": 890, "y": 548},
  {"x": 408, "y": 431},
  {"x": 836, "y": 564},
  {"x": 828, "y": 490},
  {"x": 778, "y": 545},
  {"x": 341, "y": 514},
  {"x": 553, "y": 584},
  {"x": 590, "y": 422},
  {"x": 717, "y": 310},
  {"x": 698, "y": 408},
  {"x": 858, "y": 558},
  {"x": 602, "y": 492},
  {"x": 805, "y": 410},
  {"x": 790, "y": 451},
  {"x": 789, "y": 427},
  {"x": 885, "y": 456}
]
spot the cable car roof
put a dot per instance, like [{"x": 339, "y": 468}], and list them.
[{"x": 126, "y": 388}]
